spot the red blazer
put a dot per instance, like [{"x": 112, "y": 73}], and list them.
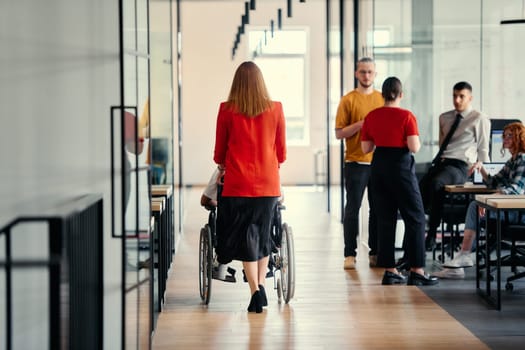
[{"x": 251, "y": 149}]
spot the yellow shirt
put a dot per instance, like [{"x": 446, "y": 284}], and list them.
[
  {"x": 354, "y": 107},
  {"x": 144, "y": 127}
]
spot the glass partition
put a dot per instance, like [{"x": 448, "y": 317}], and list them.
[
  {"x": 431, "y": 47},
  {"x": 335, "y": 90},
  {"x": 137, "y": 284},
  {"x": 161, "y": 130},
  {"x": 161, "y": 93},
  {"x": 502, "y": 52},
  {"x": 402, "y": 45}
]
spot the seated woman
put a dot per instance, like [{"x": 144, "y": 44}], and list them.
[
  {"x": 510, "y": 180},
  {"x": 209, "y": 195},
  {"x": 209, "y": 200}
]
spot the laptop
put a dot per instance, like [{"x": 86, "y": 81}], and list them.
[{"x": 491, "y": 168}]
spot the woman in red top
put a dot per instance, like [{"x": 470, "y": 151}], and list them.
[
  {"x": 394, "y": 133},
  {"x": 250, "y": 145}
]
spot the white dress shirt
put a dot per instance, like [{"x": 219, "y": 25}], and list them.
[{"x": 470, "y": 141}]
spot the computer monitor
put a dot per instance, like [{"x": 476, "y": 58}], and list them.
[
  {"x": 496, "y": 144},
  {"x": 496, "y": 139}
]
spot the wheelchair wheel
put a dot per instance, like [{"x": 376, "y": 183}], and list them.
[
  {"x": 279, "y": 290},
  {"x": 205, "y": 264},
  {"x": 286, "y": 283}
]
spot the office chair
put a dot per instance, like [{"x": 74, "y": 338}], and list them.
[
  {"x": 514, "y": 234},
  {"x": 453, "y": 215},
  {"x": 512, "y": 239}
]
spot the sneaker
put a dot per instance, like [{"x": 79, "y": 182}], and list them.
[
  {"x": 372, "y": 260},
  {"x": 450, "y": 273},
  {"x": 349, "y": 263},
  {"x": 463, "y": 259}
]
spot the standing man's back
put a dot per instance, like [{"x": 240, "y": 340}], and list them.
[{"x": 351, "y": 113}]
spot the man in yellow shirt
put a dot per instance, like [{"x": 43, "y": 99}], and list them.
[{"x": 351, "y": 113}]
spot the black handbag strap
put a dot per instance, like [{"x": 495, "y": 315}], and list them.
[{"x": 447, "y": 139}]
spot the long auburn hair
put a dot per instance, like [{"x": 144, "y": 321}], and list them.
[
  {"x": 248, "y": 94},
  {"x": 518, "y": 137}
]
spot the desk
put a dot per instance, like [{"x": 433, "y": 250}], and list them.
[
  {"x": 497, "y": 203},
  {"x": 158, "y": 246},
  {"x": 468, "y": 188},
  {"x": 449, "y": 212},
  {"x": 166, "y": 191}
]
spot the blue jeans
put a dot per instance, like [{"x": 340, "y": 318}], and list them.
[
  {"x": 357, "y": 178},
  {"x": 472, "y": 224}
]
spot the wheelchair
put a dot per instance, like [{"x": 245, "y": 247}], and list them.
[{"x": 281, "y": 262}]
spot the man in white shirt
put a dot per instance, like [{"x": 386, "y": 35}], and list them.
[{"x": 468, "y": 145}]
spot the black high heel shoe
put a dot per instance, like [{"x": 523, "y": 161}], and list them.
[
  {"x": 264, "y": 300},
  {"x": 255, "y": 303}
]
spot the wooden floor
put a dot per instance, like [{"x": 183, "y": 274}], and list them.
[{"x": 332, "y": 308}]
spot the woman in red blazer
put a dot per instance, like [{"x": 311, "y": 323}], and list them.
[{"x": 250, "y": 145}]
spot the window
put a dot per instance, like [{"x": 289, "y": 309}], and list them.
[{"x": 281, "y": 59}]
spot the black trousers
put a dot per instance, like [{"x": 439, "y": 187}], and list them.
[
  {"x": 357, "y": 178},
  {"x": 449, "y": 172},
  {"x": 395, "y": 188}
]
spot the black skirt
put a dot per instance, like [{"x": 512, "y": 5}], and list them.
[{"x": 243, "y": 228}]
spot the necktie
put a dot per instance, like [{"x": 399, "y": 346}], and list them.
[{"x": 452, "y": 129}]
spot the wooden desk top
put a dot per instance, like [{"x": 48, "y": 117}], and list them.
[
  {"x": 484, "y": 198},
  {"x": 161, "y": 190},
  {"x": 158, "y": 199},
  {"x": 507, "y": 203},
  {"x": 468, "y": 188},
  {"x": 157, "y": 206}
]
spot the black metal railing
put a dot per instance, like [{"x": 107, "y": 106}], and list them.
[{"x": 74, "y": 265}]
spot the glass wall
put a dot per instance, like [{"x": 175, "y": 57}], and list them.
[
  {"x": 502, "y": 51},
  {"x": 335, "y": 83},
  {"x": 282, "y": 60},
  {"x": 161, "y": 92},
  {"x": 432, "y": 44},
  {"x": 136, "y": 289}
]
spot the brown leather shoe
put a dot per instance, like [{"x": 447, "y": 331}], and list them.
[{"x": 349, "y": 263}]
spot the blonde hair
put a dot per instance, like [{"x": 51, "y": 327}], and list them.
[{"x": 248, "y": 94}]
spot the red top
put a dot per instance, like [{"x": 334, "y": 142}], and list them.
[
  {"x": 251, "y": 149},
  {"x": 389, "y": 127}
]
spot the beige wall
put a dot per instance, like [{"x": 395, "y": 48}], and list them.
[{"x": 208, "y": 33}]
